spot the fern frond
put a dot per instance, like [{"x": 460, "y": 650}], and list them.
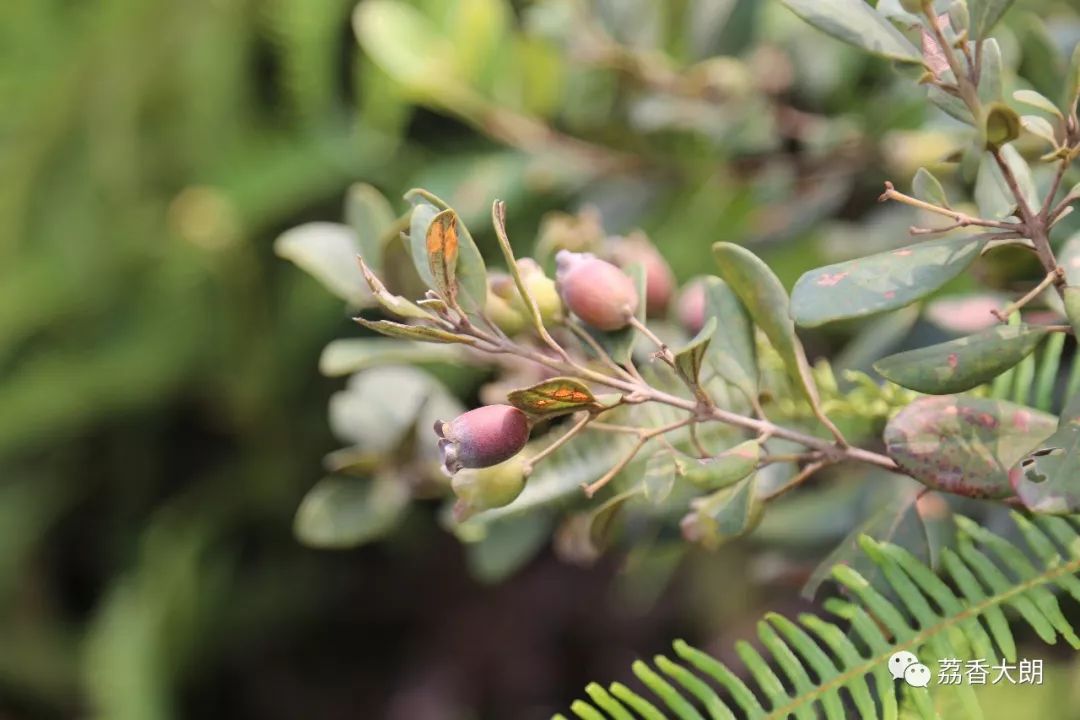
[{"x": 838, "y": 667}]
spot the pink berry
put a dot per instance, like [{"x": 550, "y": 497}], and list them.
[
  {"x": 482, "y": 437},
  {"x": 599, "y": 293},
  {"x": 659, "y": 280},
  {"x": 691, "y": 307}
]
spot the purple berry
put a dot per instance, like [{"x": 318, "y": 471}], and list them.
[{"x": 482, "y": 437}]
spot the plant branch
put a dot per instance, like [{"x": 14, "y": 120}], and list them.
[
  {"x": 558, "y": 443},
  {"x": 1050, "y": 279},
  {"x": 961, "y": 220},
  {"x": 644, "y": 436}
]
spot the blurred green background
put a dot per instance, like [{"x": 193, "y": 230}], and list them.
[{"x": 161, "y": 411}]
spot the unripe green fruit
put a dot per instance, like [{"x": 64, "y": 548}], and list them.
[
  {"x": 599, "y": 293},
  {"x": 482, "y": 437},
  {"x": 542, "y": 289},
  {"x": 505, "y": 315},
  {"x": 659, "y": 280},
  {"x": 488, "y": 488}
]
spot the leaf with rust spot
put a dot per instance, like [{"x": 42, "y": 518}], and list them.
[
  {"x": 964, "y": 445},
  {"x": 557, "y": 396},
  {"x": 442, "y": 254},
  {"x": 885, "y": 281},
  {"x": 1047, "y": 479},
  {"x": 468, "y": 268},
  {"x": 964, "y": 363}
]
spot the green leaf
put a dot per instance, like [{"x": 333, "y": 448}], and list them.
[
  {"x": 950, "y": 104},
  {"x": 394, "y": 304},
  {"x": 964, "y": 363},
  {"x": 856, "y": 23},
  {"x": 1072, "y": 85},
  {"x": 413, "y": 332},
  {"x": 726, "y": 468},
  {"x": 659, "y": 478},
  {"x": 1047, "y": 479},
  {"x": 990, "y": 91},
  {"x": 732, "y": 352},
  {"x": 404, "y": 43},
  {"x": 992, "y": 193},
  {"x": 928, "y": 188},
  {"x": 964, "y": 444},
  {"x": 344, "y": 512},
  {"x": 1040, "y": 127},
  {"x": 724, "y": 515},
  {"x": 326, "y": 251},
  {"x": 1001, "y": 126},
  {"x": 370, "y": 215},
  {"x": 349, "y": 355},
  {"x": 550, "y": 398},
  {"x": 1072, "y": 306},
  {"x": 880, "y": 282},
  {"x": 506, "y": 547},
  {"x": 1069, "y": 258},
  {"x": 689, "y": 359},
  {"x": 985, "y": 14},
  {"x": 441, "y": 241},
  {"x": 470, "y": 270},
  {"x": 1037, "y": 101},
  {"x": 764, "y": 297}
]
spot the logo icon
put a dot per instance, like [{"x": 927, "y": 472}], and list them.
[{"x": 905, "y": 666}]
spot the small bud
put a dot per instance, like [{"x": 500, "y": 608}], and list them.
[
  {"x": 487, "y": 488},
  {"x": 596, "y": 291},
  {"x": 561, "y": 231},
  {"x": 691, "y": 306},
  {"x": 482, "y": 437},
  {"x": 659, "y": 280}
]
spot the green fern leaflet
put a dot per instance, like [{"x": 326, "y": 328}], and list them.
[{"x": 838, "y": 668}]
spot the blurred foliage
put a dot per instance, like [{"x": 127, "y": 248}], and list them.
[{"x": 160, "y": 413}]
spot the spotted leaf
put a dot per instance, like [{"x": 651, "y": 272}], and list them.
[
  {"x": 556, "y": 396},
  {"x": 1047, "y": 479},
  {"x": 964, "y": 363},
  {"x": 964, "y": 445},
  {"x": 885, "y": 281}
]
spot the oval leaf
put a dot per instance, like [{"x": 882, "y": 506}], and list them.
[
  {"x": 962, "y": 444},
  {"x": 856, "y": 23},
  {"x": 985, "y": 14},
  {"x": 732, "y": 352},
  {"x": 345, "y": 512},
  {"x": 370, "y": 215},
  {"x": 886, "y": 281},
  {"x": 413, "y": 332},
  {"x": 441, "y": 242},
  {"x": 964, "y": 363},
  {"x": 724, "y": 515},
  {"x": 1036, "y": 100},
  {"x": 689, "y": 359},
  {"x": 470, "y": 270},
  {"x": 764, "y": 297},
  {"x": 556, "y": 396},
  {"x": 394, "y": 304},
  {"x": 327, "y": 252},
  {"x": 1047, "y": 479},
  {"x": 928, "y": 188},
  {"x": 727, "y": 468}
]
